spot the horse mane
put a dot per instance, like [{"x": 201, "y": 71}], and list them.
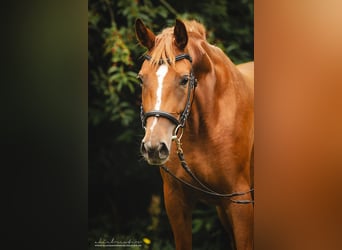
[{"x": 164, "y": 49}]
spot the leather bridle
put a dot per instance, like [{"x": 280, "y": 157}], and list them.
[
  {"x": 192, "y": 82},
  {"x": 180, "y": 123}
]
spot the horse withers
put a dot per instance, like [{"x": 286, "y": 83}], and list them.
[{"x": 198, "y": 114}]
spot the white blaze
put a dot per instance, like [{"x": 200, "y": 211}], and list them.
[{"x": 161, "y": 73}]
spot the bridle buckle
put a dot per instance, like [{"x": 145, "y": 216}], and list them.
[{"x": 177, "y": 138}]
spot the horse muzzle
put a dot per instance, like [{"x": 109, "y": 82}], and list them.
[{"x": 155, "y": 153}]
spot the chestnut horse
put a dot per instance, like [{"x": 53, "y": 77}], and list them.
[{"x": 193, "y": 95}]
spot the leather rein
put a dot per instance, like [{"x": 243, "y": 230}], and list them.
[{"x": 180, "y": 123}]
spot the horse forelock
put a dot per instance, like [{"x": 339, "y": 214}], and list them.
[{"x": 165, "y": 48}]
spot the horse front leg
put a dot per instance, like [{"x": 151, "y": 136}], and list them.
[
  {"x": 226, "y": 223},
  {"x": 179, "y": 210},
  {"x": 241, "y": 216}
]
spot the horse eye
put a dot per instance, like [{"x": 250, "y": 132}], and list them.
[
  {"x": 139, "y": 77},
  {"x": 184, "y": 80}
]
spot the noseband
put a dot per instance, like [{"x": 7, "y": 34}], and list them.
[{"x": 184, "y": 115}]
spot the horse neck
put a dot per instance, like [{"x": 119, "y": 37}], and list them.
[{"x": 216, "y": 97}]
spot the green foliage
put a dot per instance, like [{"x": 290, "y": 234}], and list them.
[
  {"x": 113, "y": 76},
  {"x": 120, "y": 184}
]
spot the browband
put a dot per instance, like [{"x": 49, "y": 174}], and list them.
[{"x": 177, "y": 58}]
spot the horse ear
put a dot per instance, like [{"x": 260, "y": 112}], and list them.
[
  {"x": 181, "y": 35},
  {"x": 145, "y": 36}
]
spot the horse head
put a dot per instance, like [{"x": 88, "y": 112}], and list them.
[{"x": 167, "y": 81}]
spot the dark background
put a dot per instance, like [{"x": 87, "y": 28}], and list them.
[{"x": 121, "y": 185}]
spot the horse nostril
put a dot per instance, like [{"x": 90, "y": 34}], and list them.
[
  {"x": 149, "y": 151},
  {"x": 163, "y": 151},
  {"x": 143, "y": 148}
]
